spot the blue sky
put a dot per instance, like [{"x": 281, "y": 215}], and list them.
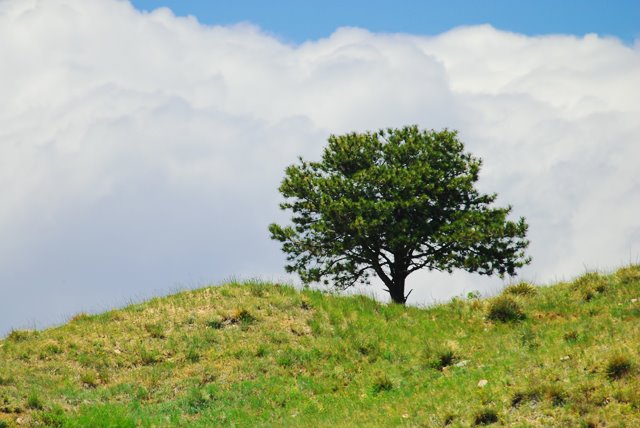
[{"x": 297, "y": 20}]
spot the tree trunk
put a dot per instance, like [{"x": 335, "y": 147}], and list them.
[{"x": 396, "y": 290}]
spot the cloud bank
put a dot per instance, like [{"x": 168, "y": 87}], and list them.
[{"x": 140, "y": 152}]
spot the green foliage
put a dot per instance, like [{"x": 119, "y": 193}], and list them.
[
  {"x": 571, "y": 336},
  {"x": 618, "y": 367},
  {"x": 521, "y": 289},
  {"x": 441, "y": 358},
  {"x": 486, "y": 417},
  {"x": 34, "y": 401},
  {"x": 529, "y": 339},
  {"x": 215, "y": 324},
  {"x": 591, "y": 285},
  {"x": 382, "y": 384},
  {"x": 505, "y": 309},
  {"x": 390, "y": 203},
  {"x": 54, "y": 418},
  {"x": 239, "y": 316}
]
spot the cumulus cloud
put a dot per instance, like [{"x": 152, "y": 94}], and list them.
[{"x": 140, "y": 152}]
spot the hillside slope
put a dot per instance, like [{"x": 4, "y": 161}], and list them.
[{"x": 255, "y": 354}]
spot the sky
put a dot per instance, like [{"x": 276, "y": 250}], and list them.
[
  {"x": 296, "y": 21},
  {"x": 141, "y": 149}
]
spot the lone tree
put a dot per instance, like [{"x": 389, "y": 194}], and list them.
[{"x": 393, "y": 202}]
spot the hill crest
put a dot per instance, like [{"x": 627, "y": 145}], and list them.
[{"x": 257, "y": 354}]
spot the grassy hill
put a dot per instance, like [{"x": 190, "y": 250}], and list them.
[{"x": 256, "y": 354}]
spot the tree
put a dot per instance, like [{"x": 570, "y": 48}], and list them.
[{"x": 390, "y": 203}]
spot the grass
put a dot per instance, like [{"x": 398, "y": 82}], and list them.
[
  {"x": 618, "y": 367},
  {"x": 521, "y": 289},
  {"x": 258, "y": 354},
  {"x": 505, "y": 309}
]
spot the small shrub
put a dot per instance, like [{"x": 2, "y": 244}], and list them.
[
  {"x": 600, "y": 288},
  {"x": 521, "y": 289},
  {"x": 444, "y": 359},
  {"x": 486, "y": 417},
  {"x": 382, "y": 384},
  {"x": 4, "y": 424},
  {"x": 367, "y": 348},
  {"x": 618, "y": 367},
  {"x": 243, "y": 316},
  {"x": 82, "y": 316},
  {"x": 592, "y": 282},
  {"x": 588, "y": 295},
  {"x": 505, "y": 309},
  {"x": 239, "y": 316},
  {"x": 558, "y": 397},
  {"x": 34, "y": 402},
  {"x": 591, "y": 422},
  {"x": 518, "y": 398}
]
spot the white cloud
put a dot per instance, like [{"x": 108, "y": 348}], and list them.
[{"x": 140, "y": 151}]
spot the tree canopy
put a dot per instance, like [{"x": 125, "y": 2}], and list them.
[{"x": 390, "y": 203}]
